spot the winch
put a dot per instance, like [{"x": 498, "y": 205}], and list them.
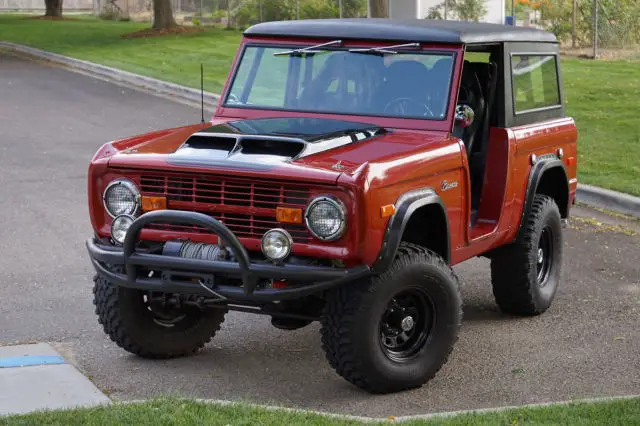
[{"x": 202, "y": 251}]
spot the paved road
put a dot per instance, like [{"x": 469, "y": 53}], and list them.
[{"x": 52, "y": 121}]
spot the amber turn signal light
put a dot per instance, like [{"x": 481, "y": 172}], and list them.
[
  {"x": 388, "y": 210},
  {"x": 288, "y": 215},
  {"x": 153, "y": 203}
]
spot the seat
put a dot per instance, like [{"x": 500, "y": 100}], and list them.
[
  {"x": 476, "y": 89},
  {"x": 471, "y": 94},
  {"x": 346, "y": 81},
  {"x": 487, "y": 75}
]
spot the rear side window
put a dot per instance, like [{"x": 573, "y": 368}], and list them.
[{"x": 535, "y": 82}]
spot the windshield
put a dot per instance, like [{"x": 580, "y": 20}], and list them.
[{"x": 412, "y": 84}]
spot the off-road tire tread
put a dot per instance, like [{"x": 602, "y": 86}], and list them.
[
  {"x": 510, "y": 268},
  {"x": 339, "y": 317},
  {"x": 110, "y": 317}
]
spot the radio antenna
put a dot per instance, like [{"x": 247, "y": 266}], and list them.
[{"x": 202, "y": 91}]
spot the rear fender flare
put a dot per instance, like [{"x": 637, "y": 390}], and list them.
[{"x": 537, "y": 172}]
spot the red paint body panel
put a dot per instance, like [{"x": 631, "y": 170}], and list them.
[{"x": 414, "y": 154}]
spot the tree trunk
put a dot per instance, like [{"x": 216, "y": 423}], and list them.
[
  {"x": 574, "y": 24},
  {"x": 163, "y": 15},
  {"x": 53, "y": 8},
  {"x": 378, "y": 8}
]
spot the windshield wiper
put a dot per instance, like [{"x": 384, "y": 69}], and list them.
[
  {"x": 384, "y": 50},
  {"x": 308, "y": 50}
]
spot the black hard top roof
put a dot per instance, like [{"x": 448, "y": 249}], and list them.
[{"x": 419, "y": 30}]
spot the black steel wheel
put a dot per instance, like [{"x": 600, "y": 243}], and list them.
[
  {"x": 406, "y": 324},
  {"x": 526, "y": 274},
  {"x": 544, "y": 256},
  {"x": 394, "y": 331}
]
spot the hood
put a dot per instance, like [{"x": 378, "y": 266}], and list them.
[
  {"x": 260, "y": 144},
  {"x": 327, "y": 146}
]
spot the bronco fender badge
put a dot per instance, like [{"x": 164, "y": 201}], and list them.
[
  {"x": 449, "y": 185},
  {"x": 338, "y": 166}
]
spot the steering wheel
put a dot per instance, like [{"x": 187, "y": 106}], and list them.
[{"x": 404, "y": 106}]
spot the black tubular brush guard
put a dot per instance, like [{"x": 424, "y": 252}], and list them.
[{"x": 109, "y": 261}]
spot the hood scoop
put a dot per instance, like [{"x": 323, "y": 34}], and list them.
[
  {"x": 232, "y": 145},
  {"x": 278, "y": 147}
]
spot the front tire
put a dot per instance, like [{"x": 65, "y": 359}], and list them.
[
  {"x": 525, "y": 275},
  {"x": 395, "y": 331},
  {"x": 131, "y": 323}
]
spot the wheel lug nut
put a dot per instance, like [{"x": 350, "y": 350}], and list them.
[{"x": 407, "y": 323}]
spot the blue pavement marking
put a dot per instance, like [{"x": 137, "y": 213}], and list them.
[{"x": 26, "y": 361}]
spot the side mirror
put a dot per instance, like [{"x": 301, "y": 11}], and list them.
[{"x": 464, "y": 115}]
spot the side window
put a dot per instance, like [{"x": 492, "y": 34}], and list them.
[{"x": 535, "y": 82}]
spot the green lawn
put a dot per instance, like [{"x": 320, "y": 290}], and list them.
[
  {"x": 174, "y": 58},
  {"x": 603, "y": 96},
  {"x": 182, "y": 412}
]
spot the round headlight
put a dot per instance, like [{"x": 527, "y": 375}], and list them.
[
  {"x": 325, "y": 218},
  {"x": 121, "y": 197},
  {"x": 120, "y": 226},
  {"x": 276, "y": 244}
]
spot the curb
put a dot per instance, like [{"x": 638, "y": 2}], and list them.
[
  {"x": 608, "y": 200},
  {"x": 126, "y": 78},
  {"x": 586, "y": 194}
]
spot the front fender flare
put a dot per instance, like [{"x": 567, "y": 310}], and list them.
[{"x": 406, "y": 205}]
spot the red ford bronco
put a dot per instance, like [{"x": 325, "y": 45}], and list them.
[{"x": 348, "y": 166}]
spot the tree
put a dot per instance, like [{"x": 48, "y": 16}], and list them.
[
  {"x": 464, "y": 10},
  {"x": 53, "y": 8},
  {"x": 354, "y": 8},
  {"x": 618, "y": 23},
  {"x": 378, "y": 8},
  {"x": 163, "y": 15},
  {"x": 469, "y": 10}
]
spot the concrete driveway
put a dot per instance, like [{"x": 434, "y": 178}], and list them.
[{"x": 53, "y": 120}]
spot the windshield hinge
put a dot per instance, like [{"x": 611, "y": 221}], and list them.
[{"x": 308, "y": 50}]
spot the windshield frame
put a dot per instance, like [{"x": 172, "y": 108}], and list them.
[{"x": 225, "y": 109}]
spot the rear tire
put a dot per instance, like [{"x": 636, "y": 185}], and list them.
[
  {"x": 525, "y": 275},
  {"x": 129, "y": 322},
  {"x": 368, "y": 337}
]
